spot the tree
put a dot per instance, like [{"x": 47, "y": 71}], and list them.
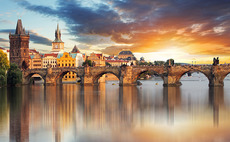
[
  {"x": 171, "y": 60},
  {"x": 4, "y": 63},
  {"x": 142, "y": 59},
  {"x": 108, "y": 64},
  {"x": 14, "y": 75},
  {"x": 4, "y": 66},
  {"x": 87, "y": 63},
  {"x": 159, "y": 63},
  {"x": 2, "y": 77}
]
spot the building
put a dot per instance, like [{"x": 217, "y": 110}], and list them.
[
  {"x": 33, "y": 52},
  {"x": 127, "y": 55},
  {"x": 49, "y": 59},
  {"x": 19, "y": 46},
  {"x": 79, "y": 59},
  {"x": 117, "y": 62},
  {"x": 57, "y": 44},
  {"x": 97, "y": 59},
  {"x": 124, "y": 54},
  {"x": 35, "y": 61},
  {"x": 67, "y": 60}
]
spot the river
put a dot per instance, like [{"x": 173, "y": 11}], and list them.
[{"x": 109, "y": 113}]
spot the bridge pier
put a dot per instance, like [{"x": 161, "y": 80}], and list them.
[
  {"x": 25, "y": 81},
  {"x": 171, "y": 81},
  {"x": 50, "y": 81},
  {"x": 216, "y": 83}
]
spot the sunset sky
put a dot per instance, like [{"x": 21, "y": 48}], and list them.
[{"x": 186, "y": 30}]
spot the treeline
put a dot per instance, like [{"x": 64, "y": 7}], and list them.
[
  {"x": 157, "y": 63},
  {"x": 9, "y": 74}
]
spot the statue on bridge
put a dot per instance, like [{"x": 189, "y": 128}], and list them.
[{"x": 215, "y": 61}]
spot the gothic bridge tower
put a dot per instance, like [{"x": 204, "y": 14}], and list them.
[{"x": 19, "y": 46}]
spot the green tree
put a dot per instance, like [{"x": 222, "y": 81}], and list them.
[
  {"x": 4, "y": 66},
  {"x": 159, "y": 63},
  {"x": 14, "y": 75},
  {"x": 4, "y": 63},
  {"x": 108, "y": 64},
  {"x": 87, "y": 62},
  {"x": 2, "y": 77},
  {"x": 171, "y": 60}
]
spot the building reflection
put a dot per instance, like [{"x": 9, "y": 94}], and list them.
[
  {"x": 19, "y": 114},
  {"x": 216, "y": 100},
  {"x": 76, "y": 109},
  {"x": 172, "y": 101}
]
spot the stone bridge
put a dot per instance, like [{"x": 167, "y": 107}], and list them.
[{"x": 128, "y": 75}]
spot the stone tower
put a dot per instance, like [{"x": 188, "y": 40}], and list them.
[
  {"x": 57, "y": 44},
  {"x": 19, "y": 46}
]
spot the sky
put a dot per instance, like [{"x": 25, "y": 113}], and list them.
[{"x": 189, "y": 31}]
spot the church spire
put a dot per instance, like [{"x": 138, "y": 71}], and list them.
[
  {"x": 19, "y": 28},
  {"x": 57, "y": 35}
]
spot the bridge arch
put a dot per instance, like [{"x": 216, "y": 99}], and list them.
[
  {"x": 27, "y": 78},
  {"x": 62, "y": 73},
  {"x": 138, "y": 73},
  {"x": 225, "y": 78},
  {"x": 193, "y": 70},
  {"x": 98, "y": 75}
]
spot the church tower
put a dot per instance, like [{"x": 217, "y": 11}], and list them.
[
  {"x": 19, "y": 46},
  {"x": 57, "y": 44}
]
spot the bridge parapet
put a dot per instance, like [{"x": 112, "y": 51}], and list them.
[{"x": 128, "y": 74}]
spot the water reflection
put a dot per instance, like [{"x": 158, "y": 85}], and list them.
[{"x": 99, "y": 113}]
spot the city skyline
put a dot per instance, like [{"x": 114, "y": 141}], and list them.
[{"x": 186, "y": 31}]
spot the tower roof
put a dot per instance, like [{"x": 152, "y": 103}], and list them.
[
  {"x": 57, "y": 35},
  {"x": 19, "y": 28},
  {"x": 75, "y": 50}
]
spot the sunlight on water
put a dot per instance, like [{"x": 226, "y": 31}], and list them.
[{"x": 149, "y": 112}]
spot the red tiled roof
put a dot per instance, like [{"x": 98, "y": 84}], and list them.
[
  {"x": 116, "y": 61},
  {"x": 98, "y": 55},
  {"x": 33, "y": 51},
  {"x": 51, "y": 54}
]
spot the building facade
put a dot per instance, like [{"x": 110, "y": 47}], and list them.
[
  {"x": 66, "y": 60},
  {"x": 35, "y": 61},
  {"x": 79, "y": 59},
  {"x": 97, "y": 59},
  {"x": 128, "y": 56},
  {"x": 49, "y": 59},
  {"x": 19, "y": 46},
  {"x": 117, "y": 62}
]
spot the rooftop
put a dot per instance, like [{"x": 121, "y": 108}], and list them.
[{"x": 125, "y": 53}]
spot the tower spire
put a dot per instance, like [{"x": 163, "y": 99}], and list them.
[
  {"x": 19, "y": 28},
  {"x": 58, "y": 34}
]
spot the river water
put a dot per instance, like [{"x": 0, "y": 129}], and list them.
[{"x": 109, "y": 113}]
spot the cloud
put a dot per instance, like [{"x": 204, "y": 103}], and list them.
[
  {"x": 149, "y": 24},
  {"x": 3, "y": 40},
  {"x": 34, "y": 37},
  {"x": 39, "y": 39}
]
